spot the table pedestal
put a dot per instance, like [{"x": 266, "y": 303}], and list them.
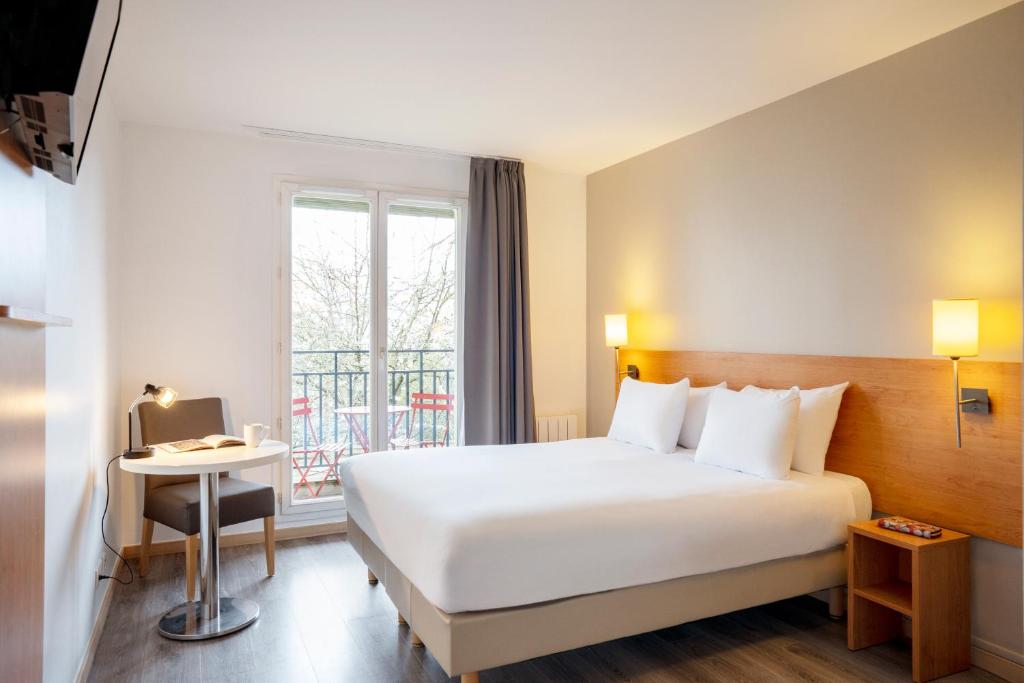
[{"x": 213, "y": 615}]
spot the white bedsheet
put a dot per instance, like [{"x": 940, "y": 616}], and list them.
[{"x": 484, "y": 527}]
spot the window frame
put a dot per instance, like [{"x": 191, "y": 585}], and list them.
[{"x": 380, "y": 197}]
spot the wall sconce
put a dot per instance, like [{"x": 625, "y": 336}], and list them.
[
  {"x": 955, "y": 335},
  {"x": 616, "y": 335}
]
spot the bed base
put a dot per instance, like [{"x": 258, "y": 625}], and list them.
[{"x": 466, "y": 643}]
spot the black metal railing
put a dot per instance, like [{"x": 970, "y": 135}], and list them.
[{"x": 336, "y": 379}]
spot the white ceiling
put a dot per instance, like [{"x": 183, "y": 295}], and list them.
[{"x": 576, "y": 85}]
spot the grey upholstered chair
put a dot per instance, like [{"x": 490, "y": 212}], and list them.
[{"x": 174, "y": 500}]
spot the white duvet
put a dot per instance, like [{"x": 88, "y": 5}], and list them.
[{"x": 484, "y": 527}]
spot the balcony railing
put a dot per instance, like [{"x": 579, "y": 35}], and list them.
[{"x": 336, "y": 379}]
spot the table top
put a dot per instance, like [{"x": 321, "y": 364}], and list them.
[
  {"x": 365, "y": 410},
  {"x": 206, "y": 461},
  {"x": 909, "y": 541}
]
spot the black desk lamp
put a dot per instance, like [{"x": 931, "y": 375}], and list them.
[{"x": 164, "y": 397}]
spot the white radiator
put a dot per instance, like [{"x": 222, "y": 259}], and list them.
[{"x": 556, "y": 428}]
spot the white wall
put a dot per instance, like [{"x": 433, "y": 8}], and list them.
[
  {"x": 196, "y": 252},
  {"x": 826, "y": 223},
  {"x": 81, "y": 396},
  {"x": 556, "y": 206},
  {"x": 197, "y": 248}
]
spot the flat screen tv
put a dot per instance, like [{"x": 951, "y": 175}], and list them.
[{"x": 53, "y": 60}]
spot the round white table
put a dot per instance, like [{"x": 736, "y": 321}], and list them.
[{"x": 213, "y": 615}]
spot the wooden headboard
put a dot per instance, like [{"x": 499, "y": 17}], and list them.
[{"x": 895, "y": 428}]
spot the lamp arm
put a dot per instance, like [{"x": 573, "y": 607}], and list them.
[
  {"x": 956, "y": 398},
  {"x": 131, "y": 409}
]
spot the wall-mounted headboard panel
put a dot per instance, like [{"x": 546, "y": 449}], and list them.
[{"x": 895, "y": 428}]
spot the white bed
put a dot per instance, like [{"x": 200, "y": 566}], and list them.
[{"x": 482, "y": 528}]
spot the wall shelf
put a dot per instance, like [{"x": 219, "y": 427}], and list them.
[{"x": 28, "y": 316}]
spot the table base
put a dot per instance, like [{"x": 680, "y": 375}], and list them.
[{"x": 184, "y": 623}]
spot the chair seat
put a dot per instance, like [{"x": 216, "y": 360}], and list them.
[{"x": 177, "y": 505}]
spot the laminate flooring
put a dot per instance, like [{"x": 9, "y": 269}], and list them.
[{"x": 321, "y": 621}]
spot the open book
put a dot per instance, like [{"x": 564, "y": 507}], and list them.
[{"x": 212, "y": 441}]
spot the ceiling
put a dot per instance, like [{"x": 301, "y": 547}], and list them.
[{"x": 576, "y": 85}]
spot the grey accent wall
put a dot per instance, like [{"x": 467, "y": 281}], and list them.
[{"x": 826, "y": 223}]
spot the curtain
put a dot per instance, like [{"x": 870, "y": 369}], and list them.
[{"x": 497, "y": 371}]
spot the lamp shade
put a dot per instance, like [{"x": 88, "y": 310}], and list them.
[
  {"x": 955, "y": 327},
  {"x": 615, "y": 330},
  {"x": 165, "y": 396}
]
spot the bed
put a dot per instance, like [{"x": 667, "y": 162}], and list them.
[{"x": 497, "y": 554}]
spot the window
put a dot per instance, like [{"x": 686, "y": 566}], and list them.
[{"x": 362, "y": 271}]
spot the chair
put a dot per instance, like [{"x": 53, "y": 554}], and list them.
[
  {"x": 174, "y": 500},
  {"x": 421, "y": 403},
  {"x": 327, "y": 454}
]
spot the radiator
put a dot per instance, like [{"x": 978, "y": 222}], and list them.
[{"x": 556, "y": 428}]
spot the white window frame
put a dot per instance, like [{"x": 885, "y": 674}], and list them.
[{"x": 379, "y": 197}]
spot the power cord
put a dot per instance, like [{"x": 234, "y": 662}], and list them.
[{"x": 103, "y": 534}]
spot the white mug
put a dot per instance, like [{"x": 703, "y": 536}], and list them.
[{"x": 255, "y": 433}]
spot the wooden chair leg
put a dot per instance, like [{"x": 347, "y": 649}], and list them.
[
  {"x": 268, "y": 542},
  {"x": 147, "y": 541},
  {"x": 191, "y": 550},
  {"x": 473, "y": 677}
]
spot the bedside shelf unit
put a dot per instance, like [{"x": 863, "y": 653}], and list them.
[{"x": 893, "y": 575}]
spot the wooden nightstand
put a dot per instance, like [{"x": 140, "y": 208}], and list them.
[{"x": 894, "y": 575}]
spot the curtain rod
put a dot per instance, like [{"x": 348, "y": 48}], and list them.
[{"x": 358, "y": 143}]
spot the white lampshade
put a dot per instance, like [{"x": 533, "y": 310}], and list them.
[
  {"x": 615, "y": 330},
  {"x": 955, "y": 327}
]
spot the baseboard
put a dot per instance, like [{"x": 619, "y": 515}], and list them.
[
  {"x": 85, "y": 666},
  {"x": 997, "y": 660},
  {"x": 243, "y": 538}
]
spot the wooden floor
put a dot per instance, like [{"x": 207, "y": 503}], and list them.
[{"x": 321, "y": 621}]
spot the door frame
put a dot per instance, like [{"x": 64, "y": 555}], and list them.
[{"x": 379, "y": 195}]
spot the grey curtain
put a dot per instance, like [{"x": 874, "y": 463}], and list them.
[{"x": 497, "y": 379}]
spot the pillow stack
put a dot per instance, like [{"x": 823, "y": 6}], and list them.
[{"x": 764, "y": 432}]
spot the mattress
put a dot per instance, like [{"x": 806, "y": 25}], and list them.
[{"x": 486, "y": 527}]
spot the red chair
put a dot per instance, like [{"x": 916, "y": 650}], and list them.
[
  {"x": 325, "y": 455},
  {"x": 421, "y": 403}
]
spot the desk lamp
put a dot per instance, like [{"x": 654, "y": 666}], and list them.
[{"x": 164, "y": 397}]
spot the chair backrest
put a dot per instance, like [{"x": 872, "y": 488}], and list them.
[
  {"x": 188, "y": 419},
  {"x": 437, "y": 401},
  {"x": 420, "y": 401},
  {"x": 300, "y": 407},
  {"x": 303, "y": 409}
]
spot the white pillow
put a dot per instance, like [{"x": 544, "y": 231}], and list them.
[
  {"x": 751, "y": 432},
  {"x": 649, "y": 414},
  {"x": 696, "y": 413},
  {"x": 818, "y": 411}
]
